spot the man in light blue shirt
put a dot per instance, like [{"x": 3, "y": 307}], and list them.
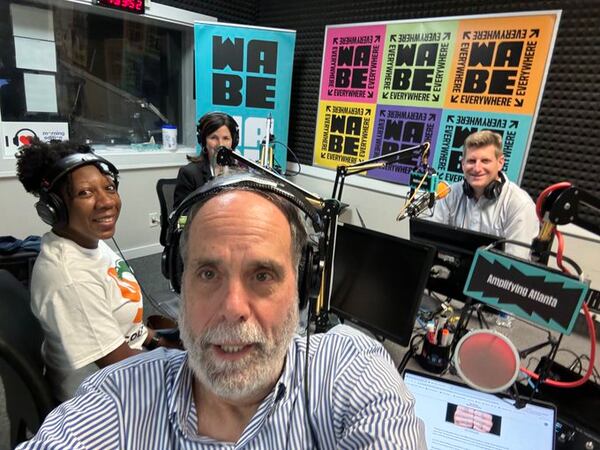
[
  {"x": 486, "y": 201},
  {"x": 246, "y": 380}
]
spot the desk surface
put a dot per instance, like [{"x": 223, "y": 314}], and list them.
[{"x": 525, "y": 335}]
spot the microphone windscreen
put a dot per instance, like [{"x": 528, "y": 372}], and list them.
[
  {"x": 222, "y": 156},
  {"x": 487, "y": 360},
  {"x": 442, "y": 190}
]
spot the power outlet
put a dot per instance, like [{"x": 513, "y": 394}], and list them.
[{"x": 153, "y": 219}]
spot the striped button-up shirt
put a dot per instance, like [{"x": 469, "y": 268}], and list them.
[{"x": 356, "y": 400}]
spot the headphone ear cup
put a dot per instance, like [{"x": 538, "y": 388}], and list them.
[
  {"x": 52, "y": 210},
  {"x": 164, "y": 262},
  {"x": 308, "y": 276},
  {"x": 199, "y": 128},
  {"x": 171, "y": 262},
  {"x": 199, "y": 137},
  {"x": 302, "y": 285},
  {"x": 490, "y": 190},
  {"x": 235, "y": 139},
  {"x": 467, "y": 189},
  {"x": 494, "y": 189}
]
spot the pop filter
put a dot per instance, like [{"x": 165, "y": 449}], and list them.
[{"x": 487, "y": 360}]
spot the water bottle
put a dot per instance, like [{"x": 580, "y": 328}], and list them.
[{"x": 169, "y": 135}]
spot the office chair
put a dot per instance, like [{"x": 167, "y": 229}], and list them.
[
  {"x": 20, "y": 264},
  {"x": 28, "y": 396},
  {"x": 165, "y": 188}
]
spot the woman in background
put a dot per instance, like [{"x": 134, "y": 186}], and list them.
[
  {"x": 214, "y": 129},
  {"x": 84, "y": 295}
]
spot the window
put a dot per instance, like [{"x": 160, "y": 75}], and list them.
[{"x": 108, "y": 78}]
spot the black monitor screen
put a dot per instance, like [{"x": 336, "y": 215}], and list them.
[
  {"x": 455, "y": 250},
  {"x": 378, "y": 280}
]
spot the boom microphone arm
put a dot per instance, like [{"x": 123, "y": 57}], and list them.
[
  {"x": 402, "y": 155},
  {"x": 332, "y": 208},
  {"x": 565, "y": 208},
  {"x": 559, "y": 205},
  {"x": 227, "y": 157}
]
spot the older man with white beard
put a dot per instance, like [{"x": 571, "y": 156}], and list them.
[{"x": 246, "y": 380}]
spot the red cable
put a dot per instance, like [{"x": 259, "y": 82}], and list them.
[
  {"x": 540, "y": 200},
  {"x": 590, "y": 369},
  {"x": 560, "y": 247},
  {"x": 588, "y": 317}
]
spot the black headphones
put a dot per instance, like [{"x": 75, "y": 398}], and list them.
[
  {"x": 18, "y": 135},
  {"x": 51, "y": 208},
  {"x": 491, "y": 191},
  {"x": 309, "y": 269},
  {"x": 226, "y": 120}
]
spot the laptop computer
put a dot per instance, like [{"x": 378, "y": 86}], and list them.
[{"x": 457, "y": 416}]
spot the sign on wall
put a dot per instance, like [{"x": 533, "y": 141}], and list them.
[
  {"x": 17, "y": 134},
  {"x": 393, "y": 85},
  {"x": 246, "y": 72}
]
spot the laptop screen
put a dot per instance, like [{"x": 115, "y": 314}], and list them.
[{"x": 457, "y": 416}]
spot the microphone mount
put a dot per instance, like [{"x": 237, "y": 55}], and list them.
[
  {"x": 227, "y": 157},
  {"x": 417, "y": 206},
  {"x": 331, "y": 211},
  {"x": 562, "y": 206},
  {"x": 380, "y": 161},
  {"x": 266, "y": 151}
]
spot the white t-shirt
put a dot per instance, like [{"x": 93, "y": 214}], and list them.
[{"x": 88, "y": 302}]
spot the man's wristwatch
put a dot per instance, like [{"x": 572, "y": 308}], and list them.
[{"x": 154, "y": 342}]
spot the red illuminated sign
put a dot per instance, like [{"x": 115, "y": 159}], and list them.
[{"x": 134, "y": 6}]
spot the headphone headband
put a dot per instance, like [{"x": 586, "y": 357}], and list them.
[
  {"x": 244, "y": 180},
  {"x": 51, "y": 208},
  {"x": 309, "y": 270},
  {"x": 71, "y": 162}
]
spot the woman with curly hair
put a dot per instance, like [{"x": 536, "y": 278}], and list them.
[{"x": 84, "y": 295}]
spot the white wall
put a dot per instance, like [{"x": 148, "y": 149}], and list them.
[
  {"x": 377, "y": 202},
  {"x": 585, "y": 252},
  {"x": 138, "y": 194}
]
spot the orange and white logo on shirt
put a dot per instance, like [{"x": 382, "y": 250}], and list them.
[{"x": 128, "y": 285}]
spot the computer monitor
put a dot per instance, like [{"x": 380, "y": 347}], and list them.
[
  {"x": 455, "y": 250},
  {"x": 378, "y": 280}
]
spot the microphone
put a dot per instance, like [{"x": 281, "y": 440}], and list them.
[
  {"x": 425, "y": 201},
  {"x": 221, "y": 160},
  {"x": 223, "y": 156},
  {"x": 266, "y": 149}
]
